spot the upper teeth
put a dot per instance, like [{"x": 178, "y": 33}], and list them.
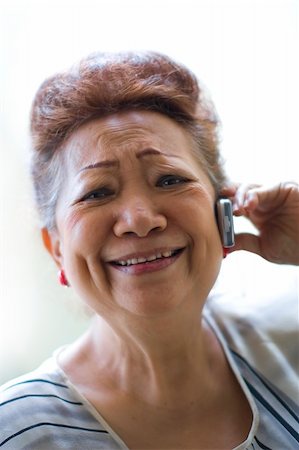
[{"x": 129, "y": 262}]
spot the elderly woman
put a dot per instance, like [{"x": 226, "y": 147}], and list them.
[{"x": 127, "y": 172}]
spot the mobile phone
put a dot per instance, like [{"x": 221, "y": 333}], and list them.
[{"x": 224, "y": 215}]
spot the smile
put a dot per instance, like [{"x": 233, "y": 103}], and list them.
[
  {"x": 142, "y": 259},
  {"x": 142, "y": 264}
]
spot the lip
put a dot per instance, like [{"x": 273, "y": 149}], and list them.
[
  {"x": 144, "y": 253},
  {"x": 149, "y": 266}
]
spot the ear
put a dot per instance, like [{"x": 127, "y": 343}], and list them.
[{"x": 52, "y": 243}]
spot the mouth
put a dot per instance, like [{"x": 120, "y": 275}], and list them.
[
  {"x": 146, "y": 263},
  {"x": 146, "y": 259}
]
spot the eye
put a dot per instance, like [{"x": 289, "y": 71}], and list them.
[
  {"x": 171, "y": 180},
  {"x": 98, "y": 194}
]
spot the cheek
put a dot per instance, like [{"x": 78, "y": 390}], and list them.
[
  {"x": 207, "y": 256},
  {"x": 84, "y": 239},
  {"x": 85, "y": 233},
  {"x": 198, "y": 213},
  {"x": 198, "y": 204}
]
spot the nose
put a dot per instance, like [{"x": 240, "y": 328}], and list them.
[{"x": 139, "y": 217}]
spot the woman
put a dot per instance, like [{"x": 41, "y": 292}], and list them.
[{"x": 127, "y": 172}]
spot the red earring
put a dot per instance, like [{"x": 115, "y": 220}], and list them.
[
  {"x": 225, "y": 251},
  {"x": 62, "y": 278}
]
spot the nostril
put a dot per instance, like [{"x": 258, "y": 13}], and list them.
[
  {"x": 157, "y": 228},
  {"x": 129, "y": 233}
]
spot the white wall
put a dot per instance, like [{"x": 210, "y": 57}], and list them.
[{"x": 245, "y": 52}]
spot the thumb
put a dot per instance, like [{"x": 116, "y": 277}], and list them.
[{"x": 247, "y": 241}]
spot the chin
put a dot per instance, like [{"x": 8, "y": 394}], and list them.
[{"x": 158, "y": 302}]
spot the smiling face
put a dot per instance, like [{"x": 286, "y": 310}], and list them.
[{"x": 136, "y": 231}]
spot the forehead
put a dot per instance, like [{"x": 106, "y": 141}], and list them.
[{"x": 133, "y": 131}]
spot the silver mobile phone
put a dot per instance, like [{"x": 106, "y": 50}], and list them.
[{"x": 224, "y": 214}]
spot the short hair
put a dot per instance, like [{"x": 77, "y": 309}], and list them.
[{"x": 107, "y": 83}]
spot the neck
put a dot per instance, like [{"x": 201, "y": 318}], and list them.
[{"x": 153, "y": 359}]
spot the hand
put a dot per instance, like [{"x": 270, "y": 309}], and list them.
[{"x": 274, "y": 212}]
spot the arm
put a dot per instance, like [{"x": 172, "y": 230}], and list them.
[{"x": 274, "y": 211}]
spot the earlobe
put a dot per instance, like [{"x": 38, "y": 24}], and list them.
[{"x": 52, "y": 244}]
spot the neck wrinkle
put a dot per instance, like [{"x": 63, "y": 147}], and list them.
[{"x": 153, "y": 367}]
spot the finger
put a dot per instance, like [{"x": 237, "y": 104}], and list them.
[
  {"x": 229, "y": 190},
  {"x": 243, "y": 200},
  {"x": 248, "y": 242},
  {"x": 265, "y": 198}
]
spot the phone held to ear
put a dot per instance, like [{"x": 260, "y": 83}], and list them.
[{"x": 224, "y": 214}]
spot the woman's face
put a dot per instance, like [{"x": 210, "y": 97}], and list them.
[{"x": 136, "y": 230}]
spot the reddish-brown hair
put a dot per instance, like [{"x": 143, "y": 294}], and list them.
[{"x": 106, "y": 83}]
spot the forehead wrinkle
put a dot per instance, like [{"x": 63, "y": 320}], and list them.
[{"x": 121, "y": 137}]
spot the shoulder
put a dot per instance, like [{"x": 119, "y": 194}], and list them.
[
  {"x": 272, "y": 319},
  {"x": 42, "y": 382},
  {"x": 40, "y": 410},
  {"x": 264, "y": 333},
  {"x": 26, "y": 401}
]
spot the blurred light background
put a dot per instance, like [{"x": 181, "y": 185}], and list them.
[{"x": 246, "y": 54}]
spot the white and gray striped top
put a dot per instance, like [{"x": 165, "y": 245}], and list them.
[{"x": 42, "y": 410}]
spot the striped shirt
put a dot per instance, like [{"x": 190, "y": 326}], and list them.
[{"x": 42, "y": 410}]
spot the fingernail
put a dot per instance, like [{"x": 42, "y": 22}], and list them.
[{"x": 249, "y": 198}]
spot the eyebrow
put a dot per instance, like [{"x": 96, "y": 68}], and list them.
[
  {"x": 99, "y": 164},
  {"x": 114, "y": 163}
]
